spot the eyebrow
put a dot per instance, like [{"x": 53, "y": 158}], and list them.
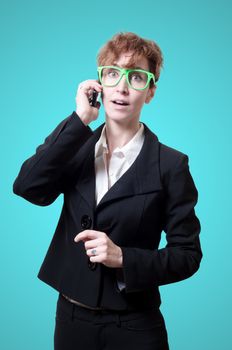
[{"x": 115, "y": 64}]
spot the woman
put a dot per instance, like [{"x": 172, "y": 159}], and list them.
[{"x": 121, "y": 188}]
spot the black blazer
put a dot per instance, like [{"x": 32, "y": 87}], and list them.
[{"x": 156, "y": 193}]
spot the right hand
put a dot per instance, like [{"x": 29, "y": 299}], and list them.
[{"x": 86, "y": 112}]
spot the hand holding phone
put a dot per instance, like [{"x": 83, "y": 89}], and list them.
[{"x": 87, "y": 106}]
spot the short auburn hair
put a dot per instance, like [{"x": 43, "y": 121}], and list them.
[{"x": 128, "y": 41}]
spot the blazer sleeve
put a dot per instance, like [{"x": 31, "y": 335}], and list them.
[
  {"x": 42, "y": 177},
  {"x": 181, "y": 257}
]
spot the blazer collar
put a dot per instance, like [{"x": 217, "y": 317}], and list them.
[{"x": 142, "y": 177}]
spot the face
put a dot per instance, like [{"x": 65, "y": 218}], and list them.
[{"x": 134, "y": 98}]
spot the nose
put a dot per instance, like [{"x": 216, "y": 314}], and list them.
[{"x": 122, "y": 85}]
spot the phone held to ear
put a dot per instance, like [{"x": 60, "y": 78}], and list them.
[{"x": 93, "y": 99}]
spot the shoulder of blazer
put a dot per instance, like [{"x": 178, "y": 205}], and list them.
[
  {"x": 170, "y": 160},
  {"x": 168, "y": 157}
]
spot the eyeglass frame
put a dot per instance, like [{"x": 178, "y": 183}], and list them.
[{"x": 125, "y": 71}]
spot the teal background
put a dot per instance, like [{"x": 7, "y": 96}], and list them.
[{"x": 47, "y": 48}]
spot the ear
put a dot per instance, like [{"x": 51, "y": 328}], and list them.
[{"x": 150, "y": 94}]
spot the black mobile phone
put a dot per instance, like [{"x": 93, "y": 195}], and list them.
[{"x": 93, "y": 99}]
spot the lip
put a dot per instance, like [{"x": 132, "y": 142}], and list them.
[{"x": 119, "y": 106}]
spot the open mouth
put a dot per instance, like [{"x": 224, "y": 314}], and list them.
[{"x": 120, "y": 103}]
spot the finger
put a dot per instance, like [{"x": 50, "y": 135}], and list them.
[
  {"x": 87, "y": 234},
  {"x": 87, "y": 90},
  {"x": 86, "y": 86},
  {"x": 97, "y": 258},
  {"x": 98, "y": 251},
  {"x": 93, "y": 243}
]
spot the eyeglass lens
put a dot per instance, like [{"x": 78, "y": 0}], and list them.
[{"x": 111, "y": 77}]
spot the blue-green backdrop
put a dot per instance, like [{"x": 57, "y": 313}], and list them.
[{"x": 47, "y": 48}]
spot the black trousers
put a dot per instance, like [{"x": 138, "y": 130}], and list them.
[{"x": 78, "y": 328}]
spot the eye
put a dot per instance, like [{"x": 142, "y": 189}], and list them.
[
  {"x": 137, "y": 76},
  {"x": 111, "y": 73}
]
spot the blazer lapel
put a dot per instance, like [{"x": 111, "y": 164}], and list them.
[
  {"x": 86, "y": 181},
  {"x": 143, "y": 176}
]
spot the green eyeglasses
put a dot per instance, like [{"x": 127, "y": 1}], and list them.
[{"x": 137, "y": 79}]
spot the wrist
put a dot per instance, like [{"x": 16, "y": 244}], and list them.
[{"x": 85, "y": 120}]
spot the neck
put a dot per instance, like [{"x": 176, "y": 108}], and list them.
[{"x": 120, "y": 133}]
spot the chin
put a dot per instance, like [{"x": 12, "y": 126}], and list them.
[{"x": 117, "y": 117}]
